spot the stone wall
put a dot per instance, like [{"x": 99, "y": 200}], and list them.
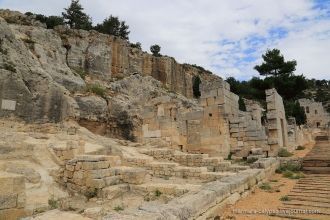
[
  {"x": 217, "y": 128},
  {"x": 92, "y": 173},
  {"x": 317, "y": 116},
  {"x": 277, "y": 124},
  {"x": 12, "y": 196},
  {"x": 208, "y": 201},
  {"x": 247, "y": 131},
  {"x": 203, "y": 130}
]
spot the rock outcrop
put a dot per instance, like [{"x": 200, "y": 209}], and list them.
[{"x": 42, "y": 70}]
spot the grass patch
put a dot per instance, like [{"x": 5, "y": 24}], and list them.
[
  {"x": 273, "y": 181},
  {"x": 158, "y": 193},
  {"x": 118, "y": 208},
  {"x": 284, "y": 153},
  {"x": 82, "y": 73},
  {"x": 288, "y": 174},
  {"x": 53, "y": 203},
  {"x": 265, "y": 186},
  {"x": 300, "y": 148},
  {"x": 291, "y": 175},
  {"x": 288, "y": 167},
  {"x": 297, "y": 176},
  {"x": 96, "y": 89},
  {"x": 285, "y": 198}
]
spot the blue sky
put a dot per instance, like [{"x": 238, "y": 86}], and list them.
[{"x": 227, "y": 37}]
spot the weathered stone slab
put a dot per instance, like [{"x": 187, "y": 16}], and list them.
[{"x": 9, "y": 105}]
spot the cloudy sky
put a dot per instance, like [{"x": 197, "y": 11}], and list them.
[{"x": 225, "y": 36}]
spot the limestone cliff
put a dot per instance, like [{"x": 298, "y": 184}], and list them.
[{"x": 45, "y": 73}]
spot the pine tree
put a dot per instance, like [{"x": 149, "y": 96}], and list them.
[
  {"x": 275, "y": 65},
  {"x": 113, "y": 26},
  {"x": 75, "y": 17}
]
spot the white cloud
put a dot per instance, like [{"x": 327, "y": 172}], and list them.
[{"x": 194, "y": 31}]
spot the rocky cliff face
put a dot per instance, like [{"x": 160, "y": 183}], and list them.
[{"x": 42, "y": 71}]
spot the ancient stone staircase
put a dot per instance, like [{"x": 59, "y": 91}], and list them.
[
  {"x": 310, "y": 193},
  {"x": 317, "y": 161}
]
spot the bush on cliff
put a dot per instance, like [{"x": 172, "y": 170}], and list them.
[{"x": 155, "y": 50}]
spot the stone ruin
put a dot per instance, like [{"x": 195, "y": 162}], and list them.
[
  {"x": 185, "y": 148},
  {"x": 317, "y": 116},
  {"x": 219, "y": 127}
]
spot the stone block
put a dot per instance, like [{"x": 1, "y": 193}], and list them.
[
  {"x": 11, "y": 183},
  {"x": 113, "y": 192},
  {"x": 256, "y": 151},
  {"x": 112, "y": 180},
  {"x": 9, "y": 105},
  {"x": 95, "y": 183},
  {"x": 8, "y": 201},
  {"x": 94, "y": 212},
  {"x": 134, "y": 175},
  {"x": 12, "y": 214}
]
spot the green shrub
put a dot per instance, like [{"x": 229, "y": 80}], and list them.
[
  {"x": 96, "y": 89},
  {"x": 136, "y": 45},
  {"x": 53, "y": 203},
  {"x": 285, "y": 198},
  {"x": 81, "y": 73},
  {"x": 278, "y": 170},
  {"x": 265, "y": 186},
  {"x": 284, "y": 153},
  {"x": 288, "y": 167},
  {"x": 229, "y": 156},
  {"x": 297, "y": 176},
  {"x": 118, "y": 208},
  {"x": 288, "y": 174},
  {"x": 300, "y": 148},
  {"x": 158, "y": 193}
]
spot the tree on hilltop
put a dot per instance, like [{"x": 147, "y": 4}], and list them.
[
  {"x": 155, "y": 49},
  {"x": 113, "y": 26},
  {"x": 75, "y": 16},
  {"x": 274, "y": 64}
]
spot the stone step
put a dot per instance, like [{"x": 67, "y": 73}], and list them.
[
  {"x": 113, "y": 192},
  {"x": 312, "y": 199},
  {"x": 165, "y": 188},
  {"x": 131, "y": 175}
]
